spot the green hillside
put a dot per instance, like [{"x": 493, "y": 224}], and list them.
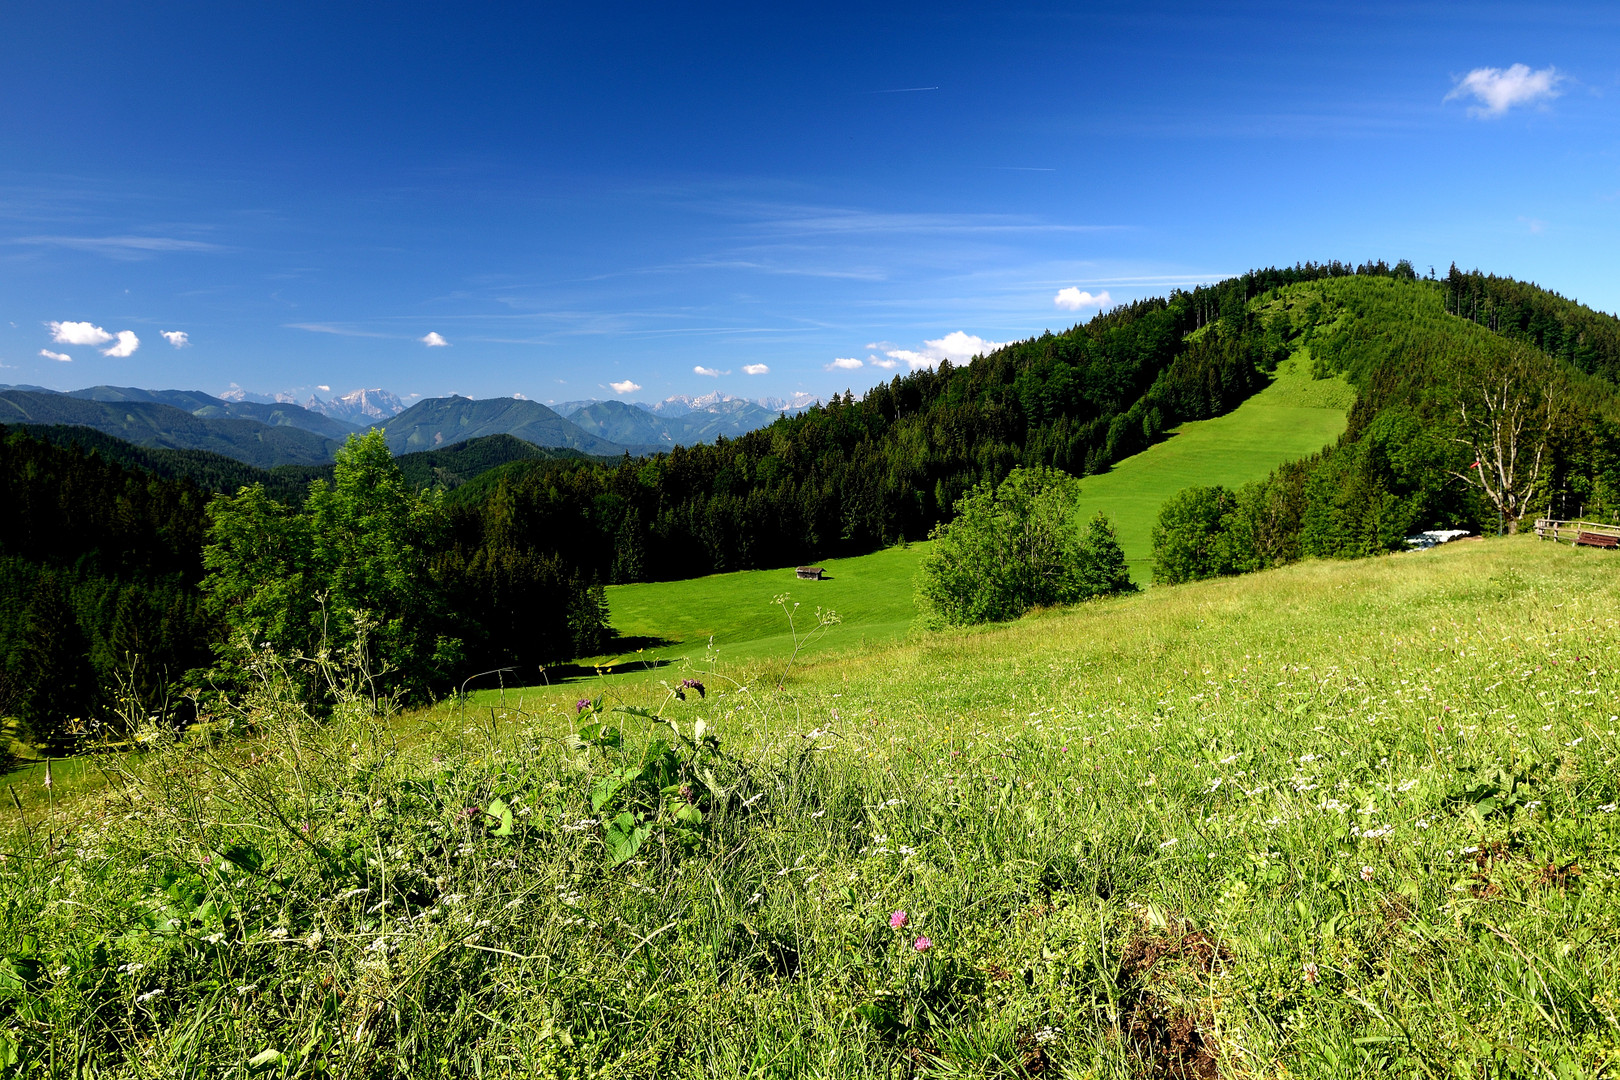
[
  {"x": 1293, "y": 417},
  {"x": 1368, "y": 818},
  {"x": 872, "y": 595}
]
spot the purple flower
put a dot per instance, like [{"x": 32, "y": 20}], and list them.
[
  {"x": 581, "y": 705},
  {"x": 693, "y": 684},
  {"x": 922, "y": 944},
  {"x": 898, "y": 919}
]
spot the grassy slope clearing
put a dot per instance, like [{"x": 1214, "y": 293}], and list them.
[
  {"x": 871, "y": 593},
  {"x": 1292, "y": 418},
  {"x": 1339, "y": 819}
]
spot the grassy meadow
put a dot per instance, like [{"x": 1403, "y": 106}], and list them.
[
  {"x": 1293, "y": 417},
  {"x": 1338, "y": 820},
  {"x": 737, "y": 615},
  {"x": 677, "y": 621}
]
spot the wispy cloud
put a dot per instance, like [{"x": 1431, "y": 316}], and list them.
[
  {"x": 709, "y": 372},
  {"x": 62, "y": 356},
  {"x": 78, "y": 333},
  {"x": 756, "y": 369},
  {"x": 1499, "y": 90},
  {"x": 626, "y": 387},
  {"x": 341, "y": 331},
  {"x": 1072, "y": 299},
  {"x": 433, "y": 340},
  {"x": 904, "y": 90},
  {"x": 126, "y": 345},
  {"x": 810, "y": 220},
  {"x": 121, "y": 247},
  {"x": 178, "y": 338}
]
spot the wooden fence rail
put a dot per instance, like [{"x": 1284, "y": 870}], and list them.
[{"x": 1591, "y": 533}]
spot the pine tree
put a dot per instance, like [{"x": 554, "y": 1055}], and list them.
[{"x": 58, "y": 684}]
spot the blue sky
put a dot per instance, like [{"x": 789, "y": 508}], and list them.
[{"x": 790, "y": 198}]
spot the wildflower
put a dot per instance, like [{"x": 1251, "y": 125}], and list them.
[
  {"x": 1609, "y": 808},
  {"x": 898, "y": 919},
  {"x": 581, "y": 705},
  {"x": 278, "y": 933},
  {"x": 142, "y": 999},
  {"x": 922, "y": 944},
  {"x": 1313, "y": 974},
  {"x": 692, "y": 684},
  {"x": 1407, "y": 785},
  {"x": 1366, "y": 873}
]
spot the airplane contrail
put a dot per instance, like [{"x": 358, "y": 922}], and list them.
[{"x": 905, "y": 90}]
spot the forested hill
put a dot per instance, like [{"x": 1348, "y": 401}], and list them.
[
  {"x": 100, "y": 560},
  {"x": 854, "y": 475}
]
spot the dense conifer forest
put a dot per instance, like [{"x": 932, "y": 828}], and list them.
[{"x": 107, "y": 612}]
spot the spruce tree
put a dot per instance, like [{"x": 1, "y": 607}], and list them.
[{"x": 58, "y": 686}]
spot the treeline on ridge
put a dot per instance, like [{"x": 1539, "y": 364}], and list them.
[
  {"x": 1407, "y": 462},
  {"x": 102, "y": 567}
]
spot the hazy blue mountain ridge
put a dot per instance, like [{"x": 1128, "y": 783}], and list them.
[
  {"x": 437, "y": 422},
  {"x": 207, "y": 406},
  {"x": 152, "y": 424}
]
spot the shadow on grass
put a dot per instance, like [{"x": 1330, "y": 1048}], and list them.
[{"x": 560, "y": 674}]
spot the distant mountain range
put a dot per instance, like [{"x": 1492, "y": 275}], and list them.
[
  {"x": 634, "y": 425},
  {"x": 682, "y": 404},
  {"x": 361, "y": 407},
  {"x": 437, "y": 422},
  {"x": 157, "y": 425},
  {"x": 265, "y": 431}
]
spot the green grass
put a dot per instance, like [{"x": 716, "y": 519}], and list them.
[
  {"x": 872, "y": 594},
  {"x": 1292, "y": 418},
  {"x": 1333, "y": 820}
]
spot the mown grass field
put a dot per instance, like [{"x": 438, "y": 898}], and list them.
[
  {"x": 872, "y": 594},
  {"x": 1292, "y": 418},
  {"x": 1338, "y": 819}
]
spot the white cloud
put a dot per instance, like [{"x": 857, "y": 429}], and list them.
[
  {"x": 709, "y": 372},
  {"x": 434, "y": 340},
  {"x": 324, "y": 388},
  {"x": 756, "y": 369},
  {"x": 78, "y": 333},
  {"x": 958, "y": 346},
  {"x": 178, "y": 338},
  {"x": 62, "y": 356},
  {"x": 1072, "y": 299},
  {"x": 1497, "y": 91},
  {"x": 845, "y": 363},
  {"x": 914, "y": 359},
  {"x": 127, "y": 343},
  {"x": 885, "y": 362},
  {"x": 626, "y": 387}
]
